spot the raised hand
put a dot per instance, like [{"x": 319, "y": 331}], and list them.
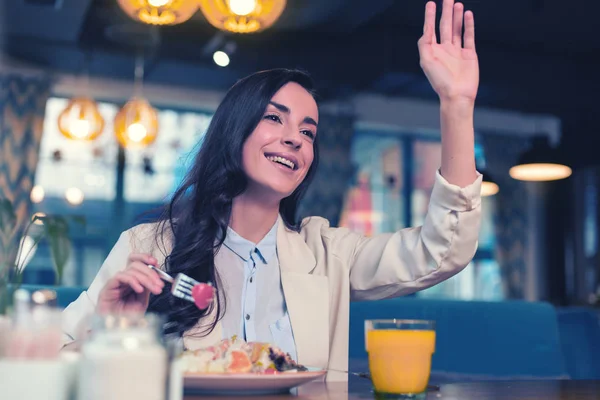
[{"x": 451, "y": 67}]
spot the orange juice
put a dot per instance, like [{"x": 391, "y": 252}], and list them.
[{"x": 400, "y": 360}]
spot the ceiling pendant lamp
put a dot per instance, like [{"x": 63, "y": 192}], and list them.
[
  {"x": 489, "y": 187},
  {"x": 159, "y": 12},
  {"x": 81, "y": 120},
  {"x": 540, "y": 163},
  {"x": 242, "y": 16},
  {"x": 136, "y": 123}
]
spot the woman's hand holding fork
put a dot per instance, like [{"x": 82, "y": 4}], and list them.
[{"x": 129, "y": 290}]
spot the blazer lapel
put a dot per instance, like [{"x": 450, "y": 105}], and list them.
[{"x": 306, "y": 296}]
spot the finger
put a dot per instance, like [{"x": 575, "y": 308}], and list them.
[
  {"x": 143, "y": 269},
  {"x": 429, "y": 24},
  {"x": 144, "y": 280},
  {"x": 457, "y": 24},
  {"x": 469, "y": 30},
  {"x": 446, "y": 22},
  {"x": 126, "y": 279},
  {"x": 145, "y": 258}
]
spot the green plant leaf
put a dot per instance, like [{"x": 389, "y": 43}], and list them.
[
  {"x": 53, "y": 228},
  {"x": 57, "y": 234},
  {"x": 60, "y": 247}
]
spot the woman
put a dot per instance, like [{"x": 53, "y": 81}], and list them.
[{"x": 233, "y": 223}]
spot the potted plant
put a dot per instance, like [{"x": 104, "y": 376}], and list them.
[{"x": 53, "y": 228}]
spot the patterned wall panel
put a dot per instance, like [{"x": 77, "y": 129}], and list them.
[{"x": 22, "y": 106}]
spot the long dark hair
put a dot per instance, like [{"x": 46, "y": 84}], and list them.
[{"x": 200, "y": 210}]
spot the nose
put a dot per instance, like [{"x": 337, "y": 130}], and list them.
[{"x": 292, "y": 139}]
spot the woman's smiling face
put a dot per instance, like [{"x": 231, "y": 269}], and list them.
[{"x": 278, "y": 154}]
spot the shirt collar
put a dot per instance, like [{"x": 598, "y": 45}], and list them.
[{"x": 243, "y": 248}]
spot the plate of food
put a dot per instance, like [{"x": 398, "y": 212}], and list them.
[{"x": 238, "y": 367}]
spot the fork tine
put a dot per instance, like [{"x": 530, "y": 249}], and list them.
[
  {"x": 182, "y": 295},
  {"x": 187, "y": 279},
  {"x": 182, "y": 289},
  {"x": 183, "y": 285}
]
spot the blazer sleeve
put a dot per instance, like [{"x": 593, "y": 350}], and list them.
[
  {"x": 412, "y": 259},
  {"x": 75, "y": 318}
]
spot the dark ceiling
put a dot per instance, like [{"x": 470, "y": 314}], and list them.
[{"x": 535, "y": 55}]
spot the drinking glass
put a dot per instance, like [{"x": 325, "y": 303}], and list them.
[{"x": 400, "y": 354}]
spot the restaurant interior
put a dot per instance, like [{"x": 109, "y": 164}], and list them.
[{"x": 76, "y": 171}]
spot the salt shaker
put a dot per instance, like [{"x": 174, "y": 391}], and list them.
[{"x": 123, "y": 359}]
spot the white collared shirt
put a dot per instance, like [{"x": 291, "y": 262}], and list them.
[{"x": 255, "y": 307}]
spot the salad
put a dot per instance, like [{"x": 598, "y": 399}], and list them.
[{"x": 238, "y": 356}]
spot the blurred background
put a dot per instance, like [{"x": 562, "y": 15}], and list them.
[{"x": 104, "y": 103}]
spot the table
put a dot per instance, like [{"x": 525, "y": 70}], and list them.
[{"x": 360, "y": 389}]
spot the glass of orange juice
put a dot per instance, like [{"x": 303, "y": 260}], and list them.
[{"x": 400, "y": 354}]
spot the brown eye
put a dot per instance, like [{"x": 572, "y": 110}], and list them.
[
  {"x": 273, "y": 117},
  {"x": 308, "y": 133}
]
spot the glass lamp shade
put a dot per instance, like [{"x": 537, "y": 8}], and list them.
[
  {"x": 242, "y": 16},
  {"x": 81, "y": 120},
  {"x": 540, "y": 163},
  {"x": 159, "y": 12},
  {"x": 136, "y": 124}
]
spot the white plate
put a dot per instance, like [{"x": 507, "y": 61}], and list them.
[{"x": 248, "y": 384}]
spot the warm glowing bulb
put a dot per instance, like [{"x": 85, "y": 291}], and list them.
[
  {"x": 242, "y": 7},
  {"x": 158, "y": 3},
  {"x": 80, "y": 128},
  {"x": 221, "y": 58},
  {"x": 540, "y": 172},
  {"x": 74, "y": 196},
  {"x": 37, "y": 194},
  {"x": 81, "y": 119},
  {"x": 136, "y": 132},
  {"x": 489, "y": 189}
]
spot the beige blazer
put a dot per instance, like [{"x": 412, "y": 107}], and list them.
[{"x": 324, "y": 268}]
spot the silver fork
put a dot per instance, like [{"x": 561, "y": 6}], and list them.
[{"x": 181, "y": 285}]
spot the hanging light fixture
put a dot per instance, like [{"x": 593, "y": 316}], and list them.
[
  {"x": 136, "y": 123},
  {"x": 489, "y": 187},
  {"x": 540, "y": 163},
  {"x": 159, "y": 12},
  {"x": 81, "y": 120},
  {"x": 242, "y": 16}
]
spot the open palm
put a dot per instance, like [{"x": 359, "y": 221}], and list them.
[{"x": 451, "y": 68}]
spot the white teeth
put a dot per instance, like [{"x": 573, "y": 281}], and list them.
[{"x": 282, "y": 161}]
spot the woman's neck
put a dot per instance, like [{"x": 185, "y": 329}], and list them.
[{"x": 252, "y": 218}]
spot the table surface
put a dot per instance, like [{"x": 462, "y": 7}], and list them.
[{"x": 497, "y": 390}]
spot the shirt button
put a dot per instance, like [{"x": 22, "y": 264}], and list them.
[
  {"x": 247, "y": 317},
  {"x": 251, "y": 279}
]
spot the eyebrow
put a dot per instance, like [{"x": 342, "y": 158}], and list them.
[{"x": 285, "y": 109}]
